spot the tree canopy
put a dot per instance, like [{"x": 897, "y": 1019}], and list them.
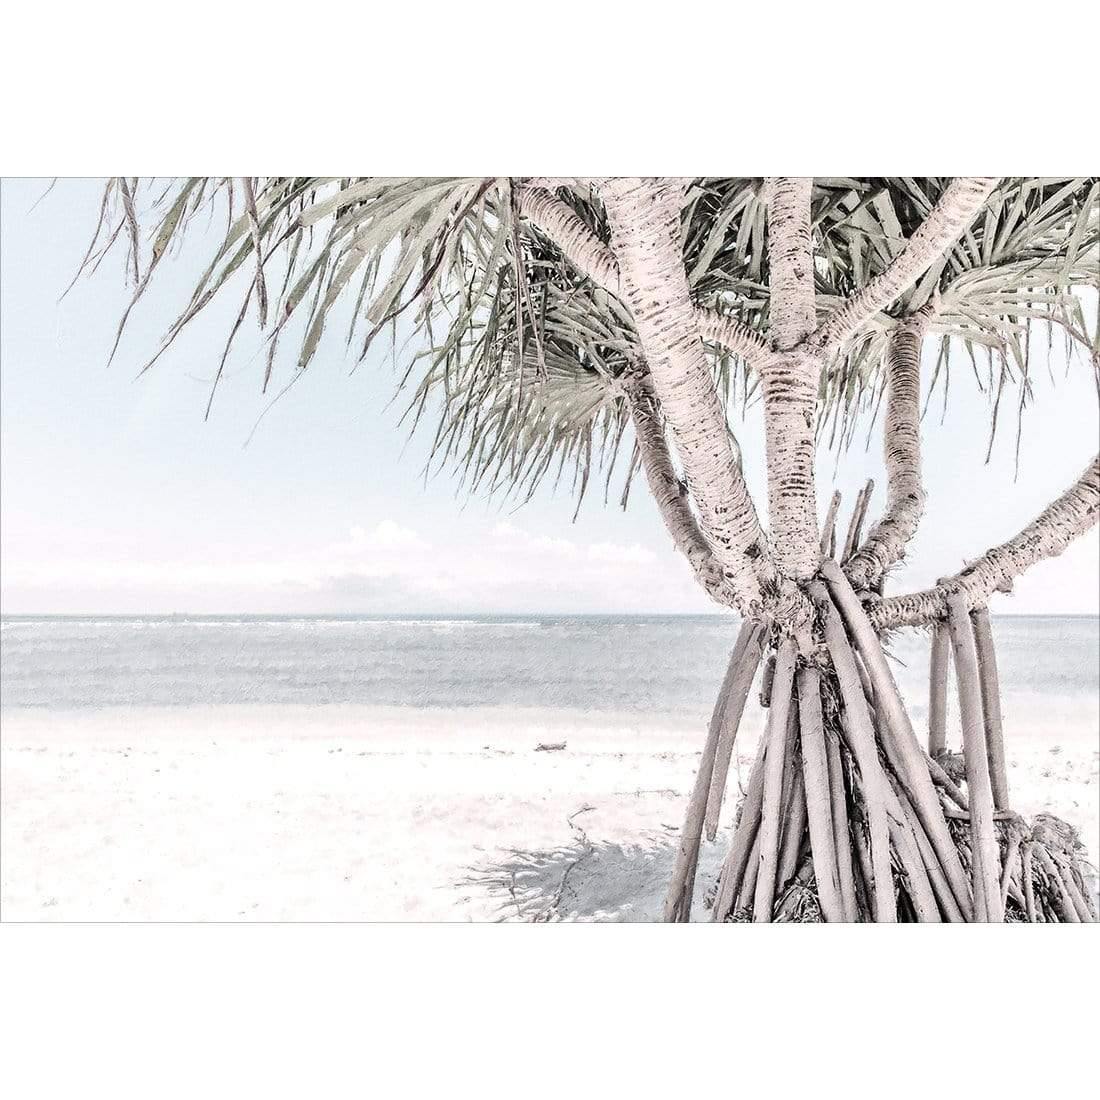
[{"x": 522, "y": 352}]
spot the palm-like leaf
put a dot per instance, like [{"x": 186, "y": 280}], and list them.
[{"x": 517, "y": 356}]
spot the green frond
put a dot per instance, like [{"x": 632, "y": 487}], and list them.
[{"x": 512, "y": 357}]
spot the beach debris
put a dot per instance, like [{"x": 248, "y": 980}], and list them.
[{"x": 550, "y": 746}]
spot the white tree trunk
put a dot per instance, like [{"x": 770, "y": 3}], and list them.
[
  {"x": 668, "y": 490},
  {"x": 789, "y": 383},
  {"x": 901, "y": 443},
  {"x": 645, "y": 228},
  {"x": 789, "y": 380},
  {"x": 792, "y": 315}
]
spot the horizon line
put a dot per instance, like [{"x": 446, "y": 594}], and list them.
[{"x": 453, "y": 614}]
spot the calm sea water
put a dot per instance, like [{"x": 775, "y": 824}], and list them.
[{"x": 656, "y": 665}]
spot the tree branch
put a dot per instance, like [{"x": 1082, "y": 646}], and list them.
[
  {"x": 645, "y": 234},
  {"x": 950, "y": 216},
  {"x": 792, "y": 316},
  {"x": 667, "y": 489},
  {"x": 595, "y": 260},
  {"x": 1069, "y": 517},
  {"x": 901, "y": 445},
  {"x": 736, "y": 338},
  {"x": 580, "y": 246}
]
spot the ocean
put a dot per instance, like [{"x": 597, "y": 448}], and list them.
[
  {"x": 263, "y": 768},
  {"x": 658, "y": 666}
]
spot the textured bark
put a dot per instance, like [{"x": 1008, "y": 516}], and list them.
[
  {"x": 595, "y": 260},
  {"x": 901, "y": 443},
  {"x": 580, "y": 246},
  {"x": 645, "y": 228},
  {"x": 669, "y": 492},
  {"x": 991, "y": 706},
  {"x": 985, "y": 854},
  {"x": 792, "y": 313},
  {"x": 1070, "y": 516},
  {"x": 774, "y": 767},
  {"x": 958, "y": 205},
  {"x": 789, "y": 384},
  {"x": 731, "y": 335},
  {"x": 789, "y": 380}
]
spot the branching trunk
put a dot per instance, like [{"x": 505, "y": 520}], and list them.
[
  {"x": 595, "y": 260},
  {"x": 645, "y": 224},
  {"x": 1070, "y": 516},
  {"x": 846, "y": 817},
  {"x": 957, "y": 206},
  {"x": 669, "y": 491}
]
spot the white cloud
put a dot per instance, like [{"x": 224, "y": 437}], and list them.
[
  {"x": 387, "y": 535},
  {"x": 387, "y": 567},
  {"x": 517, "y": 538},
  {"x": 634, "y": 554}
]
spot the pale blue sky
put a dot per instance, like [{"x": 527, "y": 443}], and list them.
[{"x": 117, "y": 497}]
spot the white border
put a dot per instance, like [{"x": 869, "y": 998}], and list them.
[
  {"x": 442, "y": 1010},
  {"x": 323, "y": 1011},
  {"x": 221, "y": 86}
]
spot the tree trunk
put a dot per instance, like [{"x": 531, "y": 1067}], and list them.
[
  {"x": 901, "y": 444},
  {"x": 789, "y": 382},
  {"x": 645, "y": 230}
]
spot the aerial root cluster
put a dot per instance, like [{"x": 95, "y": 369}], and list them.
[{"x": 847, "y": 816}]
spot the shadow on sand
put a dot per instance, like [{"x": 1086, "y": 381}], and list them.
[{"x": 588, "y": 880}]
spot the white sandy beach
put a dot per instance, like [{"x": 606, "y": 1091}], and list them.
[{"x": 370, "y": 813}]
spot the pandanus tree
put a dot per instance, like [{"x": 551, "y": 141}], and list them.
[{"x": 549, "y": 325}]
